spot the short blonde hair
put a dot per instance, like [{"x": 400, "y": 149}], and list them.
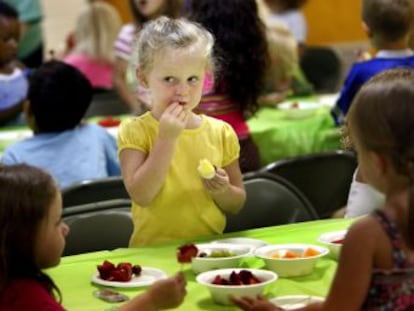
[
  {"x": 166, "y": 33},
  {"x": 96, "y": 30}
]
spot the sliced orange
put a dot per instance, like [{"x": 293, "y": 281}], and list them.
[{"x": 310, "y": 252}]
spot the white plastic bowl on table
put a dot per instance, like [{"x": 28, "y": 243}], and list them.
[
  {"x": 253, "y": 243},
  {"x": 290, "y": 267},
  {"x": 328, "y": 239},
  {"x": 201, "y": 264},
  {"x": 298, "y": 110},
  {"x": 295, "y": 301},
  {"x": 220, "y": 293}
]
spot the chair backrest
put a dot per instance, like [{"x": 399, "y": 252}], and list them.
[
  {"x": 106, "y": 103},
  {"x": 96, "y": 227},
  {"x": 323, "y": 178},
  {"x": 270, "y": 201},
  {"x": 322, "y": 67},
  {"x": 95, "y": 190}
]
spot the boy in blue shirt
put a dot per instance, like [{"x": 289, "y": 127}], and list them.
[
  {"x": 387, "y": 24},
  {"x": 70, "y": 151}
]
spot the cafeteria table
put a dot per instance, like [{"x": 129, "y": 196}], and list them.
[{"x": 73, "y": 275}]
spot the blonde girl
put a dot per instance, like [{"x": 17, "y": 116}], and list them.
[{"x": 161, "y": 150}]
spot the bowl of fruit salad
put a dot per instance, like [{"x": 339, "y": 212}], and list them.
[
  {"x": 333, "y": 241},
  {"x": 289, "y": 260},
  {"x": 236, "y": 282},
  {"x": 210, "y": 256}
]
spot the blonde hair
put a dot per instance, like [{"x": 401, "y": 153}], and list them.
[
  {"x": 96, "y": 30},
  {"x": 283, "y": 51},
  {"x": 166, "y": 33}
]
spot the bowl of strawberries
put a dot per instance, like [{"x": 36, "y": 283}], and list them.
[{"x": 238, "y": 282}]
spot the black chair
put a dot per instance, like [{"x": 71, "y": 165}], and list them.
[
  {"x": 271, "y": 200},
  {"x": 323, "y": 178},
  {"x": 95, "y": 190},
  {"x": 106, "y": 103},
  {"x": 322, "y": 67},
  {"x": 98, "y": 226}
]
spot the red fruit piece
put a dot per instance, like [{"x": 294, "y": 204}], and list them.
[
  {"x": 186, "y": 252},
  {"x": 121, "y": 275},
  {"x": 105, "y": 269},
  {"x": 136, "y": 269}
]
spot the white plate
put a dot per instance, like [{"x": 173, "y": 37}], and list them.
[
  {"x": 328, "y": 99},
  {"x": 293, "y": 302},
  {"x": 298, "y": 110},
  {"x": 253, "y": 243},
  {"x": 147, "y": 277}
]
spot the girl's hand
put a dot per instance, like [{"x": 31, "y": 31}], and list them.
[
  {"x": 173, "y": 121},
  {"x": 219, "y": 183},
  {"x": 251, "y": 304}
]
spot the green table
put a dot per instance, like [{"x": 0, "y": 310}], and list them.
[
  {"x": 279, "y": 135},
  {"x": 74, "y": 273}
]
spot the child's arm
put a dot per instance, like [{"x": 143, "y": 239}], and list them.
[
  {"x": 227, "y": 188},
  {"x": 164, "y": 294},
  {"x": 144, "y": 174}
]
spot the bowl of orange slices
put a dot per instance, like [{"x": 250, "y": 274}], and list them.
[{"x": 290, "y": 260}]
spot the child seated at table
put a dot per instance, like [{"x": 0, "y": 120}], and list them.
[
  {"x": 387, "y": 24},
  {"x": 33, "y": 238},
  {"x": 376, "y": 265},
  {"x": 71, "y": 151},
  {"x": 13, "y": 83}
]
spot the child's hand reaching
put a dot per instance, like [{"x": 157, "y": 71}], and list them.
[
  {"x": 168, "y": 293},
  {"x": 251, "y": 304},
  {"x": 173, "y": 121}
]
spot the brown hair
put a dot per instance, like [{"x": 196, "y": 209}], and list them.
[
  {"x": 382, "y": 116},
  {"x": 283, "y": 5},
  {"x": 388, "y": 20},
  {"x": 26, "y": 194},
  {"x": 172, "y": 8}
]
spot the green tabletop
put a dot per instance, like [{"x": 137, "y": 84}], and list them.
[
  {"x": 74, "y": 272},
  {"x": 280, "y": 134}
]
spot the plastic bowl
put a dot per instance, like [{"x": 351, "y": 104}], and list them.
[
  {"x": 202, "y": 264},
  {"x": 289, "y": 267},
  {"x": 295, "y": 301},
  {"x": 329, "y": 238},
  {"x": 220, "y": 293}
]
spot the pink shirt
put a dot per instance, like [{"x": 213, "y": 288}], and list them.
[
  {"x": 221, "y": 107},
  {"x": 98, "y": 73},
  {"x": 26, "y": 294}
]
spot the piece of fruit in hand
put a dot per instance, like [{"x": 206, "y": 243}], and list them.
[
  {"x": 206, "y": 169},
  {"x": 186, "y": 252}
]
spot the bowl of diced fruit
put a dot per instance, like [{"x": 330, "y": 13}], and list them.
[
  {"x": 333, "y": 241},
  {"x": 224, "y": 283},
  {"x": 210, "y": 256},
  {"x": 289, "y": 260}
]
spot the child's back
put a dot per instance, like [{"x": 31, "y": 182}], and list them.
[
  {"x": 58, "y": 98},
  {"x": 387, "y": 23}
]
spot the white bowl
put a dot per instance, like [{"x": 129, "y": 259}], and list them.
[
  {"x": 250, "y": 242},
  {"x": 288, "y": 267},
  {"x": 295, "y": 301},
  {"x": 220, "y": 293},
  {"x": 298, "y": 110},
  {"x": 201, "y": 264},
  {"x": 328, "y": 239}
]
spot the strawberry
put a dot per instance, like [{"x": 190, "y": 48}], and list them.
[
  {"x": 186, "y": 252},
  {"x": 105, "y": 269},
  {"x": 121, "y": 275}
]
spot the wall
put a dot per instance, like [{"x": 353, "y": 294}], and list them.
[{"x": 333, "y": 21}]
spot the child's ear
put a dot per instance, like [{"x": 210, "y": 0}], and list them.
[
  {"x": 381, "y": 162},
  {"x": 141, "y": 77},
  {"x": 366, "y": 29}
]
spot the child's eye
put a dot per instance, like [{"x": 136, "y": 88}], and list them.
[
  {"x": 169, "y": 79},
  {"x": 193, "y": 79}
]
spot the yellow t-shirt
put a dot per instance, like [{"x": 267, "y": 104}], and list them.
[{"x": 183, "y": 209}]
